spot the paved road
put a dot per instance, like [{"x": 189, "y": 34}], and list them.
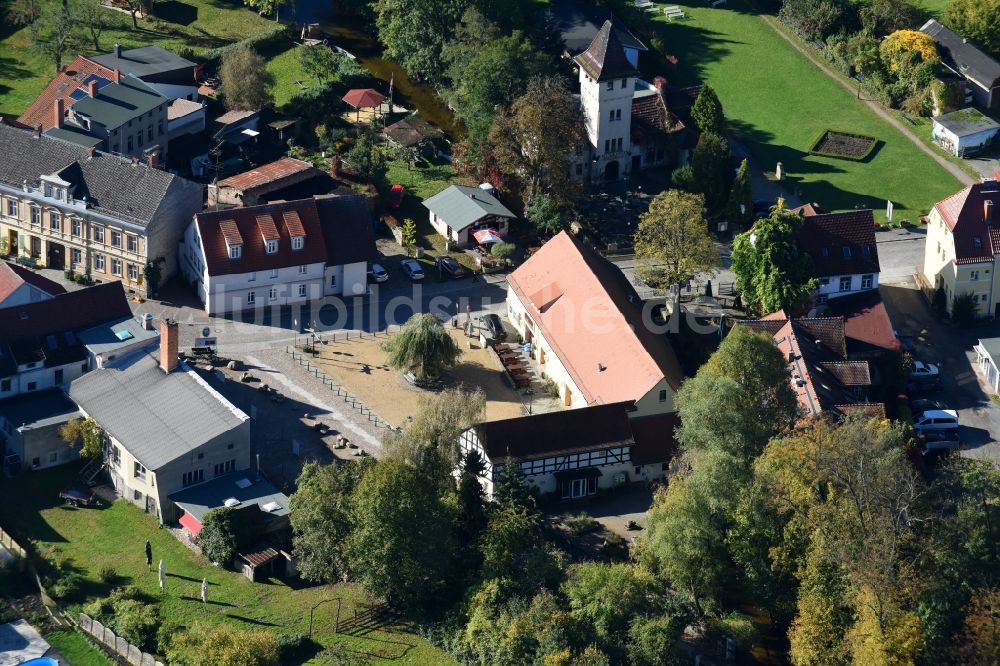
[{"x": 900, "y": 254}]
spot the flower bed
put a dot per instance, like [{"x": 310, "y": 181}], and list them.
[{"x": 856, "y": 147}]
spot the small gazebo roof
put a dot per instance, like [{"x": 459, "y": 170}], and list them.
[{"x": 364, "y": 98}]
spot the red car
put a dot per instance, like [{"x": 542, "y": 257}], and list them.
[{"x": 396, "y": 196}]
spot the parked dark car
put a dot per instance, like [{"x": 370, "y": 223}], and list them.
[
  {"x": 448, "y": 266},
  {"x": 494, "y": 325}
]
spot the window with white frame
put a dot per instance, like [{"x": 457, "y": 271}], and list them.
[
  {"x": 133, "y": 243},
  {"x": 611, "y": 85},
  {"x": 271, "y": 247},
  {"x": 12, "y": 208},
  {"x": 274, "y": 273},
  {"x": 77, "y": 228},
  {"x": 867, "y": 281},
  {"x": 133, "y": 272},
  {"x": 99, "y": 234},
  {"x": 973, "y": 276},
  {"x": 251, "y": 297},
  {"x": 76, "y": 256},
  {"x": 235, "y": 251},
  {"x": 297, "y": 242},
  {"x": 193, "y": 477},
  {"x": 116, "y": 238},
  {"x": 55, "y": 221},
  {"x": 845, "y": 283},
  {"x": 302, "y": 290},
  {"x": 272, "y": 293},
  {"x": 116, "y": 266},
  {"x": 99, "y": 263},
  {"x": 302, "y": 269},
  {"x": 139, "y": 471},
  {"x": 253, "y": 277},
  {"x": 36, "y": 216}
]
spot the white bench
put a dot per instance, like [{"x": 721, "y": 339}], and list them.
[
  {"x": 674, "y": 13},
  {"x": 716, "y": 3}
]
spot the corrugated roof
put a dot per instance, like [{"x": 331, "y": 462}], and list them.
[
  {"x": 461, "y": 207},
  {"x": 595, "y": 325},
  {"x": 156, "y": 416},
  {"x": 266, "y": 174}
]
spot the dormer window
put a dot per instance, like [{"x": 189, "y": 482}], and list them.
[
  {"x": 847, "y": 251},
  {"x": 271, "y": 247},
  {"x": 235, "y": 251},
  {"x": 824, "y": 251},
  {"x": 866, "y": 250},
  {"x": 297, "y": 242}
]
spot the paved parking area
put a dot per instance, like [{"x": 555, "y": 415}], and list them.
[
  {"x": 951, "y": 348},
  {"x": 900, "y": 254}
]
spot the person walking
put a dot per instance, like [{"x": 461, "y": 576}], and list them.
[{"x": 149, "y": 556}]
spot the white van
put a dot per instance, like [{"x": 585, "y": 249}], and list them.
[{"x": 936, "y": 419}]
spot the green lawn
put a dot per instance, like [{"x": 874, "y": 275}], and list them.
[
  {"x": 778, "y": 102},
  {"x": 196, "y": 24},
  {"x": 90, "y": 539},
  {"x": 77, "y": 650},
  {"x": 933, "y": 7},
  {"x": 288, "y": 72}
]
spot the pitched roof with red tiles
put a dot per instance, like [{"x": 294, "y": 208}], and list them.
[
  {"x": 964, "y": 213},
  {"x": 840, "y": 243},
  {"x": 867, "y": 326},
  {"x": 591, "y": 316},
  {"x": 13, "y": 276},
  {"x": 266, "y": 174},
  {"x": 62, "y": 86},
  {"x": 605, "y": 57},
  {"x": 71, "y": 311},
  {"x": 245, "y": 223}
]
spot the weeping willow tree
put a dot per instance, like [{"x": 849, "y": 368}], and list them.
[{"x": 423, "y": 347}]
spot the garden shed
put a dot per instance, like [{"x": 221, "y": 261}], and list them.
[{"x": 964, "y": 132}]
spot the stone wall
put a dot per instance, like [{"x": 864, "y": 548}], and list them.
[{"x": 116, "y": 644}]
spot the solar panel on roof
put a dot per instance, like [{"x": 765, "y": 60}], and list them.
[
  {"x": 100, "y": 80},
  {"x": 78, "y": 94}
]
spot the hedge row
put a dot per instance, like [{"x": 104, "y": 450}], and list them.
[
  {"x": 872, "y": 144},
  {"x": 261, "y": 42}
]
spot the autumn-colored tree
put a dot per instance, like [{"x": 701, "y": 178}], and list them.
[
  {"x": 223, "y": 645},
  {"x": 976, "y": 20},
  {"x": 979, "y": 642},
  {"x": 902, "y": 42},
  {"x": 83, "y": 433}
]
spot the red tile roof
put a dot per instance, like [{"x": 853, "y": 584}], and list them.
[
  {"x": 540, "y": 435},
  {"x": 605, "y": 57},
  {"x": 72, "y": 311},
  {"x": 268, "y": 229},
  {"x": 61, "y": 87},
  {"x": 849, "y": 373},
  {"x": 592, "y": 318},
  {"x": 230, "y": 232},
  {"x": 13, "y": 276},
  {"x": 266, "y": 174},
  {"x": 294, "y": 224},
  {"x": 824, "y": 237},
  {"x": 867, "y": 326},
  {"x": 964, "y": 214},
  {"x": 247, "y": 226}
]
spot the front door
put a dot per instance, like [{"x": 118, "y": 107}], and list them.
[
  {"x": 12, "y": 243},
  {"x": 36, "y": 247},
  {"x": 611, "y": 170},
  {"x": 56, "y": 255}
]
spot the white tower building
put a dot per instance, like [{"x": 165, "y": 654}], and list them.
[{"x": 607, "y": 85}]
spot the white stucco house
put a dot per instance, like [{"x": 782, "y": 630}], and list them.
[
  {"x": 278, "y": 254},
  {"x": 964, "y": 132},
  {"x": 457, "y": 211}
]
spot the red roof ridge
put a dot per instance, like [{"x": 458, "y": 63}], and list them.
[
  {"x": 293, "y": 223},
  {"x": 62, "y": 85},
  {"x": 268, "y": 229}
]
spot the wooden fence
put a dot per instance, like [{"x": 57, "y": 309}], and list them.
[
  {"x": 115, "y": 643},
  {"x": 7, "y": 541}
]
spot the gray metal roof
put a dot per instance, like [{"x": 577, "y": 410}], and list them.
[
  {"x": 118, "y": 103},
  {"x": 143, "y": 61},
  {"x": 157, "y": 417},
  {"x": 462, "y": 206},
  {"x": 992, "y": 347},
  {"x": 966, "y": 122},
  {"x": 72, "y": 134},
  {"x": 111, "y": 184},
  {"x": 38, "y": 409},
  {"x": 202, "y": 498},
  {"x": 122, "y": 332}
]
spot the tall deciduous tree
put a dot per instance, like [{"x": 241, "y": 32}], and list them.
[
  {"x": 414, "y": 32},
  {"x": 53, "y": 33},
  {"x": 401, "y": 546},
  {"x": 707, "y": 112},
  {"x": 321, "y": 518},
  {"x": 220, "y": 535},
  {"x": 976, "y": 20},
  {"x": 546, "y": 216},
  {"x": 439, "y": 422},
  {"x": 672, "y": 244},
  {"x": 534, "y": 142},
  {"x": 23, "y": 12},
  {"x": 423, "y": 347},
  {"x": 266, "y": 7},
  {"x": 92, "y": 15},
  {"x": 739, "y": 210},
  {"x": 771, "y": 272},
  {"x": 84, "y": 433},
  {"x": 246, "y": 82},
  {"x": 367, "y": 159}
]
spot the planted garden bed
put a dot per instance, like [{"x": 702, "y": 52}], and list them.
[{"x": 844, "y": 145}]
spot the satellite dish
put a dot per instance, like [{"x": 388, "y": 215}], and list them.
[{"x": 205, "y": 332}]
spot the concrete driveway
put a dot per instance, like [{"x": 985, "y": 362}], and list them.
[
  {"x": 951, "y": 348},
  {"x": 900, "y": 254}
]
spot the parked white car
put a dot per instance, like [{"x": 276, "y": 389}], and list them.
[
  {"x": 936, "y": 419},
  {"x": 377, "y": 274},
  {"x": 923, "y": 370}
]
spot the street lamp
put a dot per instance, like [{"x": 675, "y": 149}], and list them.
[{"x": 531, "y": 398}]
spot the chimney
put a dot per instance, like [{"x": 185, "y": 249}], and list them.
[
  {"x": 168, "y": 345},
  {"x": 118, "y": 50},
  {"x": 147, "y": 322},
  {"x": 152, "y": 160},
  {"x": 37, "y": 131},
  {"x": 118, "y": 76},
  {"x": 58, "y": 111},
  {"x": 90, "y": 153},
  {"x": 92, "y": 88},
  {"x": 988, "y": 211},
  {"x": 660, "y": 83}
]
